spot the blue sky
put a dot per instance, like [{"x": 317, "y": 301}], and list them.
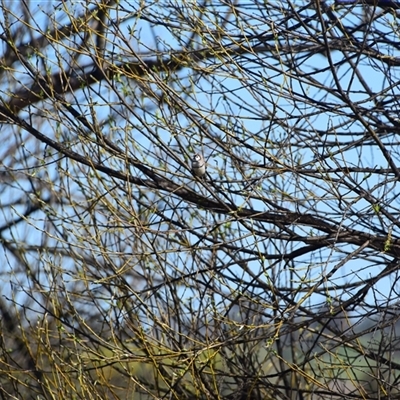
[{"x": 243, "y": 110}]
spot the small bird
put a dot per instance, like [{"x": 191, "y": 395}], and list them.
[{"x": 198, "y": 165}]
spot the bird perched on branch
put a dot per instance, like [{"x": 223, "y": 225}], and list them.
[{"x": 198, "y": 165}]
